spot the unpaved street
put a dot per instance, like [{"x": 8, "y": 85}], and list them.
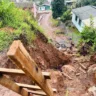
[{"x": 50, "y": 30}]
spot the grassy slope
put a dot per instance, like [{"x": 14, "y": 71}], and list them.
[{"x": 20, "y": 21}]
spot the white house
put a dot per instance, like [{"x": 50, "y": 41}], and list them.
[
  {"x": 81, "y": 16},
  {"x": 45, "y": 6}
]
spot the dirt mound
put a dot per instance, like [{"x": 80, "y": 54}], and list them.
[{"x": 46, "y": 55}]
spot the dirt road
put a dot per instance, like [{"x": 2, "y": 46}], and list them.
[
  {"x": 46, "y": 26},
  {"x": 45, "y": 22}
]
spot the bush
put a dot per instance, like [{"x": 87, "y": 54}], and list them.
[
  {"x": 10, "y": 15},
  {"x": 66, "y": 16},
  {"x": 88, "y": 36}
]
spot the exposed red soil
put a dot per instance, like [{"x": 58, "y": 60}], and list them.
[
  {"x": 44, "y": 54},
  {"x": 80, "y": 70}
]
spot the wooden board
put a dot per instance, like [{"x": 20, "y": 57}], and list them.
[
  {"x": 12, "y": 86},
  {"x": 37, "y": 92},
  {"x": 23, "y": 60},
  {"x": 35, "y": 87},
  {"x": 20, "y": 72}
]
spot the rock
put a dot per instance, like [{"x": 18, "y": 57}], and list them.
[
  {"x": 92, "y": 90},
  {"x": 93, "y": 58},
  {"x": 68, "y": 68},
  {"x": 92, "y": 69}
]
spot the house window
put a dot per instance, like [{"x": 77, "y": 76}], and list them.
[
  {"x": 80, "y": 22},
  {"x": 76, "y": 17}
]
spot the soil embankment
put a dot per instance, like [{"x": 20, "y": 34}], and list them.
[{"x": 44, "y": 54}]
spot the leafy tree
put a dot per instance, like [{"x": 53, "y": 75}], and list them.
[
  {"x": 66, "y": 16},
  {"x": 86, "y": 2},
  {"x": 57, "y": 8}
]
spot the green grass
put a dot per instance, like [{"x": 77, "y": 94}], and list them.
[
  {"x": 5, "y": 40},
  {"x": 22, "y": 22},
  {"x": 54, "y": 22},
  {"x": 58, "y": 31}
]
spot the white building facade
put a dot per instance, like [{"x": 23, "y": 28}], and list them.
[
  {"x": 78, "y": 22},
  {"x": 81, "y": 17}
]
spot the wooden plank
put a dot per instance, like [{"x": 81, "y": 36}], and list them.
[
  {"x": 20, "y": 72},
  {"x": 12, "y": 86},
  {"x": 35, "y": 87},
  {"x": 23, "y": 60},
  {"x": 24, "y": 92},
  {"x": 37, "y": 92}
]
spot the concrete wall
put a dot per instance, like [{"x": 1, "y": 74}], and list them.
[{"x": 76, "y": 23}]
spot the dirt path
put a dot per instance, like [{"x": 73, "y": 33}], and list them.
[
  {"x": 50, "y": 30},
  {"x": 46, "y": 26}
]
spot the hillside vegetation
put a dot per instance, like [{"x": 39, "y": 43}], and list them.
[{"x": 14, "y": 22}]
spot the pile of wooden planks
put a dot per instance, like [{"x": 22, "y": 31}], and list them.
[{"x": 18, "y": 54}]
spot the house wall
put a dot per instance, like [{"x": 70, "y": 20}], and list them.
[
  {"x": 44, "y": 7},
  {"x": 76, "y": 23},
  {"x": 87, "y": 22}
]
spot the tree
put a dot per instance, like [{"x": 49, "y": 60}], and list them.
[
  {"x": 86, "y": 2},
  {"x": 57, "y": 8}
]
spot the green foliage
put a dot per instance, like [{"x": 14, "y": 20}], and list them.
[
  {"x": 66, "y": 16},
  {"x": 91, "y": 21},
  {"x": 86, "y": 2},
  {"x": 42, "y": 1},
  {"x": 9, "y": 16},
  {"x": 58, "y": 31},
  {"x": 55, "y": 22},
  {"x": 88, "y": 36},
  {"x": 5, "y": 40},
  {"x": 57, "y": 8},
  {"x": 21, "y": 21}
]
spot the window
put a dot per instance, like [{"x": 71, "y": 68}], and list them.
[
  {"x": 76, "y": 17},
  {"x": 79, "y": 22}
]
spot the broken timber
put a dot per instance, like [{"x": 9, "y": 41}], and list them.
[
  {"x": 12, "y": 85},
  {"x": 16, "y": 88},
  {"x": 20, "y": 72},
  {"x": 23, "y": 60}
]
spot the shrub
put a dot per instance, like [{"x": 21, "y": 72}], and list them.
[
  {"x": 66, "y": 16},
  {"x": 88, "y": 36},
  {"x": 10, "y": 15}
]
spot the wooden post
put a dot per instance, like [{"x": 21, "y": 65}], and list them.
[
  {"x": 23, "y": 60},
  {"x": 12, "y": 86}
]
